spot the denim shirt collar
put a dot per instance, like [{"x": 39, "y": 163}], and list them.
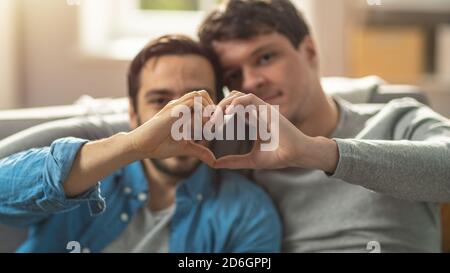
[{"x": 202, "y": 182}]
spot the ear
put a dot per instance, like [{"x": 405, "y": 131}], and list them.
[
  {"x": 132, "y": 115},
  {"x": 309, "y": 49}
]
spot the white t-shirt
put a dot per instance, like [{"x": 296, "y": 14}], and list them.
[{"x": 148, "y": 232}]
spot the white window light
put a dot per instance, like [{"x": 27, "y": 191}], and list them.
[{"x": 119, "y": 28}]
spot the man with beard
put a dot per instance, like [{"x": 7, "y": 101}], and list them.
[{"x": 154, "y": 195}]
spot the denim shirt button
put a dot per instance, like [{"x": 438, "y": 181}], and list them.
[
  {"x": 199, "y": 197},
  {"x": 127, "y": 190},
  {"x": 142, "y": 196},
  {"x": 124, "y": 217}
]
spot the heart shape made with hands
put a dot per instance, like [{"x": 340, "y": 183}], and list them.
[
  {"x": 236, "y": 119},
  {"x": 278, "y": 143}
]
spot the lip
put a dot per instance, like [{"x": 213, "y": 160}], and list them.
[{"x": 272, "y": 97}]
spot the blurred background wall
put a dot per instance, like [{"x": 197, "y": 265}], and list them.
[
  {"x": 54, "y": 51},
  {"x": 9, "y": 59},
  {"x": 54, "y": 70}
]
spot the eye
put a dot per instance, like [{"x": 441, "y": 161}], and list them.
[
  {"x": 266, "y": 58},
  {"x": 159, "y": 101}
]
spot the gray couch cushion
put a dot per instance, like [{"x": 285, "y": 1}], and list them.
[
  {"x": 89, "y": 127},
  {"x": 13, "y": 121}
]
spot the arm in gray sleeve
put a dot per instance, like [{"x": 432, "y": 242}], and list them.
[{"x": 404, "y": 152}]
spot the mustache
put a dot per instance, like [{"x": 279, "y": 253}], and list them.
[{"x": 163, "y": 168}]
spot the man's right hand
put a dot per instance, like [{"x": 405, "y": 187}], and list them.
[
  {"x": 153, "y": 139},
  {"x": 98, "y": 159}
]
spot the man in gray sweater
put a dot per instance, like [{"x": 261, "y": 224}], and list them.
[{"x": 345, "y": 178}]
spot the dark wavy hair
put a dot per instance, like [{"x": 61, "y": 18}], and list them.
[
  {"x": 169, "y": 45},
  {"x": 244, "y": 19}
]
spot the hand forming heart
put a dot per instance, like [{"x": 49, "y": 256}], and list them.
[{"x": 155, "y": 138}]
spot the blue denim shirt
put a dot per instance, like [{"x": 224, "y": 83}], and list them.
[{"x": 215, "y": 211}]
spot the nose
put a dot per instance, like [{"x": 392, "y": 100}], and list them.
[{"x": 252, "y": 80}]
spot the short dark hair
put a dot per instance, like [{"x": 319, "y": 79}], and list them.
[
  {"x": 169, "y": 45},
  {"x": 244, "y": 19}
]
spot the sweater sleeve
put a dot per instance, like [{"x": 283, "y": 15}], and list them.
[{"x": 404, "y": 151}]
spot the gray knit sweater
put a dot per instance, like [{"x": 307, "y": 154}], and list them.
[{"x": 394, "y": 169}]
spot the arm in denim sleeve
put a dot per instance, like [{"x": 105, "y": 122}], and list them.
[{"x": 31, "y": 184}]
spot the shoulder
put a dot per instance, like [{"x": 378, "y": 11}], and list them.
[
  {"x": 234, "y": 184},
  {"x": 396, "y": 107},
  {"x": 400, "y": 119},
  {"x": 408, "y": 106},
  {"x": 249, "y": 214},
  {"x": 243, "y": 196},
  {"x": 411, "y": 107},
  {"x": 412, "y": 118},
  {"x": 404, "y": 103}
]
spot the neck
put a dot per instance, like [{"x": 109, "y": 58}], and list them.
[
  {"x": 162, "y": 187},
  {"x": 322, "y": 120}
]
